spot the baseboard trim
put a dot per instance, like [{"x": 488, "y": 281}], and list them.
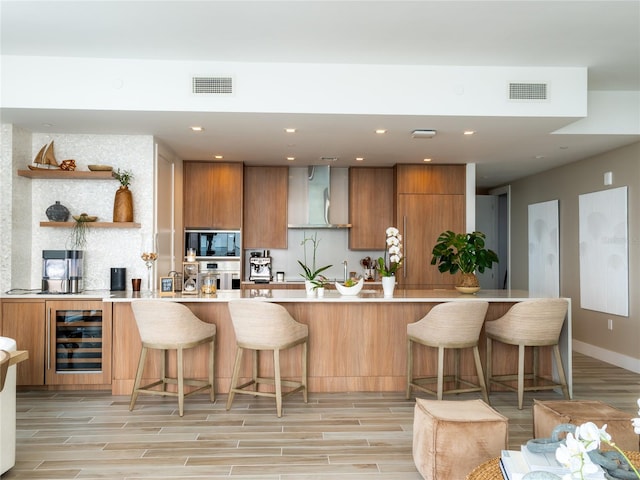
[{"x": 614, "y": 358}]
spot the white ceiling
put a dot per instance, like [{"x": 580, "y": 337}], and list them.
[{"x": 601, "y": 35}]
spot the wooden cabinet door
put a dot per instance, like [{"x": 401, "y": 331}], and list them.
[
  {"x": 265, "y": 207},
  {"x": 79, "y": 342},
  {"x": 212, "y": 195},
  {"x": 421, "y": 219},
  {"x": 24, "y": 321},
  {"x": 437, "y": 179},
  {"x": 370, "y": 207}
]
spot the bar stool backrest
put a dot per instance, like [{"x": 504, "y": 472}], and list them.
[
  {"x": 452, "y": 322},
  {"x": 165, "y": 324},
  {"x": 264, "y": 325},
  {"x": 534, "y": 322}
]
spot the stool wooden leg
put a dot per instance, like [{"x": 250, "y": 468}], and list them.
[
  {"x": 483, "y": 386},
  {"x": 212, "y": 356},
  {"x": 234, "y": 377},
  {"x": 136, "y": 385},
  {"x": 440, "y": 372},
  {"x": 276, "y": 372},
  {"x": 520, "y": 375},
  {"x": 456, "y": 367},
  {"x": 255, "y": 368},
  {"x": 409, "y": 367},
  {"x": 563, "y": 378},
  {"x": 305, "y": 355},
  {"x": 180, "y": 381},
  {"x": 488, "y": 362}
]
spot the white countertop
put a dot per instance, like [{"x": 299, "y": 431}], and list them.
[{"x": 281, "y": 296}]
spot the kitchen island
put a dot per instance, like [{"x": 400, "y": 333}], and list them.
[{"x": 355, "y": 343}]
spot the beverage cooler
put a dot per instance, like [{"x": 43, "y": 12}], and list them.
[{"x": 79, "y": 336}]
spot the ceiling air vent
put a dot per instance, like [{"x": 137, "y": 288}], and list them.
[
  {"x": 212, "y": 85},
  {"x": 527, "y": 91}
]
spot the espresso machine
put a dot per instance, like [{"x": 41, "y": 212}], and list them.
[
  {"x": 260, "y": 267},
  {"x": 62, "y": 271}
]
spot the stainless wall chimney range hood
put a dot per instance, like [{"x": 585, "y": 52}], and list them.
[{"x": 318, "y": 199}]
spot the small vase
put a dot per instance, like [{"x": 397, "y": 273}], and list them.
[
  {"x": 123, "y": 205},
  {"x": 320, "y": 291},
  {"x": 309, "y": 287},
  {"x": 388, "y": 285},
  {"x": 57, "y": 212}
]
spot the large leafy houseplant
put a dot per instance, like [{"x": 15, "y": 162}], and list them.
[{"x": 464, "y": 253}]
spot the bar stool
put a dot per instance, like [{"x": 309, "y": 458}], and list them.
[
  {"x": 531, "y": 323},
  {"x": 165, "y": 326},
  {"x": 453, "y": 325},
  {"x": 260, "y": 325}
]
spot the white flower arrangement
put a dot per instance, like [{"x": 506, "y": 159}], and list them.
[
  {"x": 574, "y": 454},
  {"x": 393, "y": 253}
]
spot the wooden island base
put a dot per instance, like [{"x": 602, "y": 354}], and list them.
[{"x": 353, "y": 345}]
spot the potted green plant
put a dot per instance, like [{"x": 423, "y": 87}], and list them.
[
  {"x": 311, "y": 272},
  {"x": 464, "y": 253}
]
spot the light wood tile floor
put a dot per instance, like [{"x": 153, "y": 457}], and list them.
[{"x": 355, "y": 436}]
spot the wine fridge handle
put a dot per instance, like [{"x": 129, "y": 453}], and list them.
[{"x": 48, "y": 335}]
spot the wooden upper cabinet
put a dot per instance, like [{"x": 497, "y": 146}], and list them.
[
  {"x": 212, "y": 195},
  {"x": 370, "y": 206},
  {"x": 431, "y": 179},
  {"x": 265, "y": 207}
]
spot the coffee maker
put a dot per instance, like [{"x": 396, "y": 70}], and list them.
[
  {"x": 62, "y": 271},
  {"x": 260, "y": 267}
]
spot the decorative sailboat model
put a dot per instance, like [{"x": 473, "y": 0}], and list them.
[{"x": 45, "y": 160}]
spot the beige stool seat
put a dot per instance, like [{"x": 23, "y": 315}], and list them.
[
  {"x": 165, "y": 326},
  {"x": 532, "y": 323},
  {"x": 453, "y": 325},
  {"x": 261, "y": 325}
]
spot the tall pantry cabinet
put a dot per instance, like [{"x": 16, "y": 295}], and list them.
[{"x": 430, "y": 199}]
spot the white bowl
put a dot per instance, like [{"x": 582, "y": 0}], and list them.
[{"x": 355, "y": 290}]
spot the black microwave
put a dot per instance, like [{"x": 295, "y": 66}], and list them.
[{"x": 213, "y": 243}]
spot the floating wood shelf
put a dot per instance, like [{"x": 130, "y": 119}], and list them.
[
  {"x": 93, "y": 224},
  {"x": 67, "y": 175}
]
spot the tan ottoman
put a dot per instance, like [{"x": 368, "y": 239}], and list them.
[
  {"x": 548, "y": 414},
  {"x": 451, "y": 438}
]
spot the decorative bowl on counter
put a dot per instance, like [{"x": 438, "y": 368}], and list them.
[{"x": 353, "y": 290}]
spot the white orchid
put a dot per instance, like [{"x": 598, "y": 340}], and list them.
[
  {"x": 636, "y": 421},
  {"x": 393, "y": 253},
  {"x": 574, "y": 454}
]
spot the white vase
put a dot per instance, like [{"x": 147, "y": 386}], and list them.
[
  {"x": 388, "y": 285},
  {"x": 320, "y": 291},
  {"x": 309, "y": 287}
]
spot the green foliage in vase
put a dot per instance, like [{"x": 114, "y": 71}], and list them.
[
  {"x": 311, "y": 271},
  {"x": 124, "y": 177},
  {"x": 464, "y": 252}
]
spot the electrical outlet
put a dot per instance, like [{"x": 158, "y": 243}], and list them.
[{"x": 610, "y": 324}]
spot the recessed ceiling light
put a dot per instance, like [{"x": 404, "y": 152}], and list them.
[
  {"x": 290, "y": 130},
  {"x": 218, "y": 157},
  {"x": 291, "y": 159},
  {"x": 426, "y": 160},
  {"x": 539, "y": 157},
  {"x": 469, "y": 132},
  {"x": 381, "y": 131},
  {"x": 196, "y": 128},
  {"x": 359, "y": 159}
]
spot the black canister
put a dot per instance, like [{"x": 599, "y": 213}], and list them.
[
  {"x": 118, "y": 279},
  {"x": 57, "y": 212}
]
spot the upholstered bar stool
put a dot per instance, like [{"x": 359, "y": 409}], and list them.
[
  {"x": 532, "y": 323},
  {"x": 260, "y": 325},
  {"x": 452, "y": 325},
  {"x": 165, "y": 326}
]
